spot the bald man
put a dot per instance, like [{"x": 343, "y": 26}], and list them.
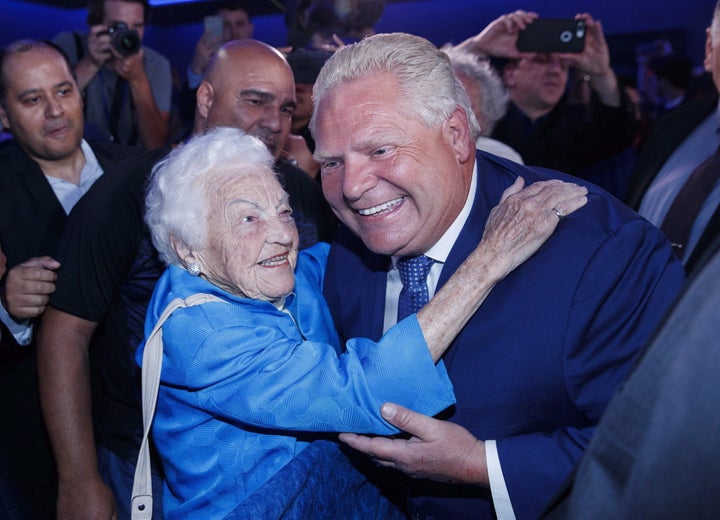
[{"x": 249, "y": 85}]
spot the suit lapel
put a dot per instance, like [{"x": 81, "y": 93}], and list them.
[{"x": 675, "y": 128}]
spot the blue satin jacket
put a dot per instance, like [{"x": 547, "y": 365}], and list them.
[{"x": 242, "y": 380}]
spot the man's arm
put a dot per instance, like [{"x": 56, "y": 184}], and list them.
[
  {"x": 98, "y": 52},
  {"x": 153, "y": 124},
  {"x": 517, "y": 227},
  {"x": 24, "y": 295},
  {"x": 594, "y": 62},
  {"x": 64, "y": 377}
]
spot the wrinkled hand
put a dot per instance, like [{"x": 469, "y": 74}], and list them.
[
  {"x": 525, "y": 218},
  {"x": 90, "y": 500},
  {"x": 205, "y": 49},
  {"x": 500, "y": 36},
  {"x": 437, "y": 450},
  {"x": 28, "y": 287},
  {"x": 595, "y": 58},
  {"x": 99, "y": 48},
  {"x": 130, "y": 67},
  {"x": 296, "y": 148}
]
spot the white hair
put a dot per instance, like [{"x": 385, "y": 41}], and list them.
[
  {"x": 176, "y": 203},
  {"x": 494, "y": 97},
  {"x": 429, "y": 89}
]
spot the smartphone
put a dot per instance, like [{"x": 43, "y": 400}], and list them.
[
  {"x": 214, "y": 25},
  {"x": 552, "y": 35}
]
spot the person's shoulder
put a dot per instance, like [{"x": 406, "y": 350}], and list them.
[
  {"x": 603, "y": 213},
  {"x": 13, "y": 159},
  {"x": 111, "y": 154},
  {"x": 692, "y": 113},
  {"x": 123, "y": 181},
  {"x": 154, "y": 57}
]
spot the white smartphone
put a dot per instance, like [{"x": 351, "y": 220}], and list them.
[{"x": 214, "y": 25}]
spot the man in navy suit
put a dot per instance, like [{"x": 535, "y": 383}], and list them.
[
  {"x": 682, "y": 140},
  {"x": 535, "y": 367}
]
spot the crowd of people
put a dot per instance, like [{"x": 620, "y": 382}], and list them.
[{"x": 465, "y": 281}]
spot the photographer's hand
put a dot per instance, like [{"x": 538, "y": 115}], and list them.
[
  {"x": 499, "y": 37},
  {"x": 98, "y": 53},
  {"x": 153, "y": 125},
  {"x": 131, "y": 68},
  {"x": 594, "y": 62}
]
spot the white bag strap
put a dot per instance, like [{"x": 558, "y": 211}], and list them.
[{"x": 142, "y": 502}]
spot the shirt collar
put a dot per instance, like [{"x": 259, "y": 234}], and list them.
[{"x": 441, "y": 249}]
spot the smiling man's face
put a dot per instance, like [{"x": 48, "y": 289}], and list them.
[
  {"x": 395, "y": 182},
  {"x": 43, "y": 106}
]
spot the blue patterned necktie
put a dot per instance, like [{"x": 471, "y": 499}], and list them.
[{"x": 413, "y": 274}]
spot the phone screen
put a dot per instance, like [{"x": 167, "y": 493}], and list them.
[
  {"x": 552, "y": 35},
  {"x": 214, "y": 25}
]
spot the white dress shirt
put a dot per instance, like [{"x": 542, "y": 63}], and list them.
[{"x": 439, "y": 252}]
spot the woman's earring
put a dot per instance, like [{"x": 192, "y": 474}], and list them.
[{"x": 194, "y": 268}]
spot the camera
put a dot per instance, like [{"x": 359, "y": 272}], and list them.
[
  {"x": 552, "y": 35},
  {"x": 124, "y": 40}
]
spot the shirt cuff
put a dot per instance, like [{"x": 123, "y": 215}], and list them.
[
  {"x": 22, "y": 332},
  {"x": 498, "y": 489}
]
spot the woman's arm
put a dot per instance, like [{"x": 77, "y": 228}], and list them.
[{"x": 522, "y": 221}]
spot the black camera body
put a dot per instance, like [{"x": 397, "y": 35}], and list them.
[
  {"x": 547, "y": 35},
  {"x": 124, "y": 40}
]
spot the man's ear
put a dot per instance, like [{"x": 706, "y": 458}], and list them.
[
  {"x": 457, "y": 130},
  {"x": 4, "y": 119},
  {"x": 708, "y": 62},
  {"x": 204, "y": 98}
]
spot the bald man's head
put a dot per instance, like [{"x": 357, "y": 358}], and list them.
[{"x": 248, "y": 85}]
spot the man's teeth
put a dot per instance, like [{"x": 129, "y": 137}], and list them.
[
  {"x": 380, "y": 208},
  {"x": 274, "y": 261}
]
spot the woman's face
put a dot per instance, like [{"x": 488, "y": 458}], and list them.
[{"x": 252, "y": 239}]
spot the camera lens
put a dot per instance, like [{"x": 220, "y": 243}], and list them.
[
  {"x": 124, "y": 40},
  {"x": 127, "y": 43}
]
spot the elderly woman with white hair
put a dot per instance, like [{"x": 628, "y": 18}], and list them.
[{"x": 260, "y": 361}]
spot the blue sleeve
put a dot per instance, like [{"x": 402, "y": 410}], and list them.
[
  {"x": 254, "y": 371},
  {"x": 626, "y": 287}
]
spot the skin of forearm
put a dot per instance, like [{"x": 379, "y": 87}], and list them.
[
  {"x": 442, "y": 319},
  {"x": 85, "y": 71},
  {"x": 64, "y": 377},
  {"x": 607, "y": 87},
  {"x": 153, "y": 125}
]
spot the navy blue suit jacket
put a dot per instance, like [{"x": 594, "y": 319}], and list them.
[
  {"x": 537, "y": 364},
  {"x": 654, "y": 454}
]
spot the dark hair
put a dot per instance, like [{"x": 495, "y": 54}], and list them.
[
  {"x": 674, "y": 67},
  {"x": 233, "y": 5},
  {"x": 96, "y": 10},
  {"x": 19, "y": 46}
]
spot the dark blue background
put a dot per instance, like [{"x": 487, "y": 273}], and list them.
[{"x": 626, "y": 23}]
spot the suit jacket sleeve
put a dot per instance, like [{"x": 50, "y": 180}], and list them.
[{"x": 607, "y": 326}]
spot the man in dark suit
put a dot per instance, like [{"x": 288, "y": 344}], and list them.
[
  {"x": 654, "y": 453},
  {"x": 682, "y": 141},
  {"x": 535, "y": 367},
  {"x": 44, "y": 170}
]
